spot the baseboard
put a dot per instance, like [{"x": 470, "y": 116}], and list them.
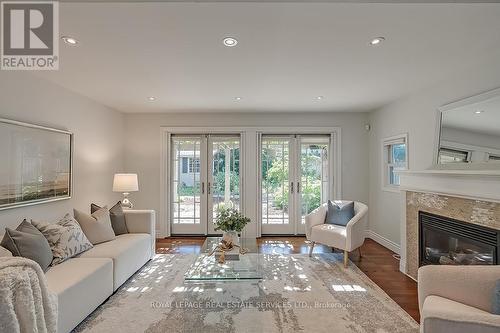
[{"x": 394, "y": 247}]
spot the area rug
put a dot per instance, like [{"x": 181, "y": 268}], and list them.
[{"x": 297, "y": 294}]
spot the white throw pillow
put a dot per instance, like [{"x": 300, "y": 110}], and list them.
[
  {"x": 66, "y": 238},
  {"x": 97, "y": 227}
]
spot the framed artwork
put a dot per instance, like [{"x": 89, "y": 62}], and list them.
[{"x": 35, "y": 164}]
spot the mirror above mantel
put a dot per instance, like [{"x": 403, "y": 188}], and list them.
[{"x": 469, "y": 135}]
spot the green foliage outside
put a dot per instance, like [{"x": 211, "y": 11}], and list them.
[{"x": 275, "y": 175}]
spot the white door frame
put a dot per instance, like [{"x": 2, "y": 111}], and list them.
[
  {"x": 210, "y": 229},
  {"x": 249, "y": 187},
  {"x": 295, "y": 226}
]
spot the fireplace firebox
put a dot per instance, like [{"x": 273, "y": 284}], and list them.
[{"x": 446, "y": 241}]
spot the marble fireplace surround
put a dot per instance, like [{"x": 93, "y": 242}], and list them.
[{"x": 469, "y": 196}]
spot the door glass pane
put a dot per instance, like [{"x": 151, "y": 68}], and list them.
[
  {"x": 314, "y": 173},
  {"x": 186, "y": 180},
  {"x": 275, "y": 177},
  {"x": 225, "y": 185}
]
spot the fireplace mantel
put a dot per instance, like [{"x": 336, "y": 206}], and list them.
[
  {"x": 472, "y": 184},
  {"x": 472, "y": 196}
]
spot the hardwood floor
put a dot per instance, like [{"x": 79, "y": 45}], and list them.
[{"x": 377, "y": 262}]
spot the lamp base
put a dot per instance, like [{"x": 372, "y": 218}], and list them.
[{"x": 126, "y": 203}]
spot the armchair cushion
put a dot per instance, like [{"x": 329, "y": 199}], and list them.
[
  {"x": 339, "y": 212},
  {"x": 330, "y": 235},
  {"x": 442, "y": 315}
]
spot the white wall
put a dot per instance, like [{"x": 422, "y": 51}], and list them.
[
  {"x": 416, "y": 115},
  {"x": 98, "y": 145},
  {"x": 143, "y": 148}
]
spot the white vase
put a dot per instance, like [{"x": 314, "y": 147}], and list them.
[{"x": 231, "y": 236}]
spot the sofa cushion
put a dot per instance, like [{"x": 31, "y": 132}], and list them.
[
  {"x": 329, "y": 234},
  {"x": 81, "y": 285},
  {"x": 442, "y": 315},
  {"x": 339, "y": 212},
  {"x": 97, "y": 227},
  {"x": 117, "y": 218},
  {"x": 129, "y": 253},
  {"x": 66, "y": 238},
  {"x": 28, "y": 242}
]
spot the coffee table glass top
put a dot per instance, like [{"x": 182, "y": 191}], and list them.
[{"x": 205, "y": 267}]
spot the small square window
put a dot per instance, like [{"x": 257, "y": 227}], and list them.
[{"x": 395, "y": 151}]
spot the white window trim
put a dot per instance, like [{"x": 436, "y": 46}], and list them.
[{"x": 385, "y": 164}]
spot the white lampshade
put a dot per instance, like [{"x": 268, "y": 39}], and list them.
[{"x": 125, "y": 182}]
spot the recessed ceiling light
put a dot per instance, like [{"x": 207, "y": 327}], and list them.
[
  {"x": 69, "y": 40},
  {"x": 230, "y": 41},
  {"x": 377, "y": 40},
  {"x": 478, "y": 112},
  {"x": 319, "y": 98},
  {"x": 237, "y": 99},
  {"x": 151, "y": 98}
]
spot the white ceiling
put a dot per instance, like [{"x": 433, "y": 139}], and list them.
[{"x": 288, "y": 53}]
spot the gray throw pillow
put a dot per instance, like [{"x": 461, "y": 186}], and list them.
[
  {"x": 339, "y": 213},
  {"x": 117, "y": 218},
  {"x": 97, "y": 227},
  {"x": 66, "y": 238},
  {"x": 496, "y": 299},
  {"x": 28, "y": 242}
]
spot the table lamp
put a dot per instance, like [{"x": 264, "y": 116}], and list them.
[{"x": 126, "y": 183}]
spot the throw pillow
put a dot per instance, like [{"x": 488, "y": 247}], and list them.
[
  {"x": 66, "y": 238},
  {"x": 339, "y": 213},
  {"x": 97, "y": 227},
  {"x": 28, "y": 242},
  {"x": 117, "y": 218},
  {"x": 496, "y": 299}
]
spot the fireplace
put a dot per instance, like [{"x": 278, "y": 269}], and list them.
[{"x": 446, "y": 241}]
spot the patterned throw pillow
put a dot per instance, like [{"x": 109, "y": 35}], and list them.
[{"x": 66, "y": 238}]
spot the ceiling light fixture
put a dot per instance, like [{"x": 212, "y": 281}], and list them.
[
  {"x": 69, "y": 40},
  {"x": 319, "y": 98},
  {"x": 377, "y": 41},
  {"x": 230, "y": 41},
  {"x": 151, "y": 98},
  {"x": 237, "y": 99},
  {"x": 478, "y": 112}
]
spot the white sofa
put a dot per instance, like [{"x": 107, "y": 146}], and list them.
[
  {"x": 348, "y": 238},
  {"x": 86, "y": 281}
]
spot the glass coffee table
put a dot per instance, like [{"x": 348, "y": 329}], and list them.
[{"x": 207, "y": 268}]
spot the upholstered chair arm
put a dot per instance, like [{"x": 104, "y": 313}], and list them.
[
  {"x": 469, "y": 285},
  {"x": 356, "y": 227},
  {"x": 316, "y": 217}
]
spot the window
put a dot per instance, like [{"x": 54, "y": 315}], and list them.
[
  {"x": 194, "y": 165},
  {"x": 449, "y": 155},
  {"x": 395, "y": 152},
  {"x": 190, "y": 165}
]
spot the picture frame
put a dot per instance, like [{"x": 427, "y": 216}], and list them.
[{"x": 36, "y": 164}]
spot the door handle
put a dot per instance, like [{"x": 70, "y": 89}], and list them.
[
  {"x": 202, "y": 187},
  {"x": 208, "y": 188},
  {"x": 298, "y": 187},
  {"x": 291, "y": 187}
]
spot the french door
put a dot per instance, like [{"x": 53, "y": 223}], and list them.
[
  {"x": 294, "y": 180},
  {"x": 205, "y": 177}
]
